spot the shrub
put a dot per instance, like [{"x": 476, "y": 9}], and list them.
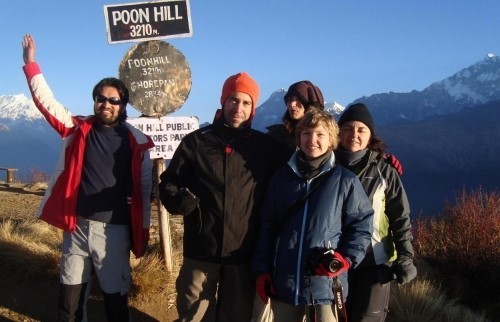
[
  {"x": 462, "y": 244},
  {"x": 36, "y": 175}
]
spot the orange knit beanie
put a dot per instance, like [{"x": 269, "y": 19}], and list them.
[{"x": 241, "y": 82}]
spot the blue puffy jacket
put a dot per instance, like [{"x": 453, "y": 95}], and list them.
[{"x": 337, "y": 213}]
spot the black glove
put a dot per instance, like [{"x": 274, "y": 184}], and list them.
[
  {"x": 405, "y": 270},
  {"x": 183, "y": 202},
  {"x": 385, "y": 273}
]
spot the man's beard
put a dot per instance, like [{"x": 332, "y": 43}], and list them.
[{"x": 108, "y": 121}]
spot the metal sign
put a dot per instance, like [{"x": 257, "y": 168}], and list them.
[
  {"x": 148, "y": 20},
  {"x": 157, "y": 76},
  {"x": 166, "y": 132}
]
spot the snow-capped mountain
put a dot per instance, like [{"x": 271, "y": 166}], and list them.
[
  {"x": 19, "y": 111},
  {"x": 15, "y": 107},
  {"x": 477, "y": 84},
  {"x": 27, "y": 142}
]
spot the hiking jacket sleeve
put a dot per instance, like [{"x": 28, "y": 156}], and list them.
[
  {"x": 58, "y": 116},
  {"x": 392, "y": 235}
]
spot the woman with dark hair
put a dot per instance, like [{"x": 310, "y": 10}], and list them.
[
  {"x": 299, "y": 97},
  {"x": 390, "y": 253}
]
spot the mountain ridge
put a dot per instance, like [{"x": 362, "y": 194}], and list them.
[
  {"x": 476, "y": 84},
  {"x": 447, "y": 136}
]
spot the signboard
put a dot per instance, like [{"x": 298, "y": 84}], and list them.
[
  {"x": 157, "y": 76},
  {"x": 166, "y": 132},
  {"x": 147, "y": 20}
]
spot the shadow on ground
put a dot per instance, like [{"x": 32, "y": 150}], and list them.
[{"x": 37, "y": 301}]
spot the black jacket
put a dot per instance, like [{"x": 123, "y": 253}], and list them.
[
  {"x": 392, "y": 236},
  {"x": 227, "y": 170},
  {"x": 279, "y": 133}
]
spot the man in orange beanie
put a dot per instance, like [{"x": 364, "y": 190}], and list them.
[
  {"x": 216, "y": 180},
  {"x": 242, "y": 83}
]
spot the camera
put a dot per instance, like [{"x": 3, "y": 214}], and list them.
[{"x": 325, "y": 257}]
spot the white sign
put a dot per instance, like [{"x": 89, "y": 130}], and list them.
[
  {"x": 148, "y": 20},
  {"x": 166, "y": 132}
]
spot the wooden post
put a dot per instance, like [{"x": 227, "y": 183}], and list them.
[
  {"x": 10, "y": 175},
  {"x": 163, "y": 219}
]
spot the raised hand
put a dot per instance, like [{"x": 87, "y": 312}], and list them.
[{"x": 29, "y": 49}]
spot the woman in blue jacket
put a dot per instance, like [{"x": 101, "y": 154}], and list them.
[{"x": 315, "y": 213}]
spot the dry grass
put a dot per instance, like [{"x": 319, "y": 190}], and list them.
[
  {"x": 35, "y": 247},
  {"x": 151, "y": 281},
  {"x": 31, "y": 245},
  {"x": 30, "y": 254},
  {"x": 422, "y": 301}
]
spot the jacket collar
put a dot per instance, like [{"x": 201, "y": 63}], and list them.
[{"x": 327, "y": 166}]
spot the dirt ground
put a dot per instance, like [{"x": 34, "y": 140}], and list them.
[{"x": 28, "y": 302}]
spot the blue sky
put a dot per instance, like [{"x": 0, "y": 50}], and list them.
[{"x": 349, "y": 49}]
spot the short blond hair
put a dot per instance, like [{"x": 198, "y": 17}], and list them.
[{"x": 314, "y": 118}]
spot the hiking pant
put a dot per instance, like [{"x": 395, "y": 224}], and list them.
[
  {"x": 261, "y": 311},
  {"x": 369, "y": 290},
  {"x": 215, "y": 292},
  {"x": 284, "y": 312},
  {"x": 103, "y": 249}
]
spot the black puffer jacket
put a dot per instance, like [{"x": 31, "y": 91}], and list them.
[{"x": 228, "y": 170}]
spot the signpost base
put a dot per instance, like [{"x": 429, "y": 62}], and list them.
[{"x": 163, "y": 218}]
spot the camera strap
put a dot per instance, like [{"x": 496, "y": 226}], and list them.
[
  {"x": 338, "y": 303},
  {"x": 338, "y": 299},
  {"x": 297, "y": 205}
]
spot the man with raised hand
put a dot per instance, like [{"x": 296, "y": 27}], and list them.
[{"x": 98, "y": 194}]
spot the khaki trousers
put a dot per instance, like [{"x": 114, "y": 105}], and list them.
[
  {"x": 215, "y": 292},
  {"x": 284, "y": 312}
]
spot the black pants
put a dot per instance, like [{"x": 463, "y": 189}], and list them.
[
  {"x": 215, "y": 292},
  {"x": 368, "y": 299},
  {"x": 72, "y": 298}
]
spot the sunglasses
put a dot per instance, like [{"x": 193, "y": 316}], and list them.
[{"x": 111, "y": 100}]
